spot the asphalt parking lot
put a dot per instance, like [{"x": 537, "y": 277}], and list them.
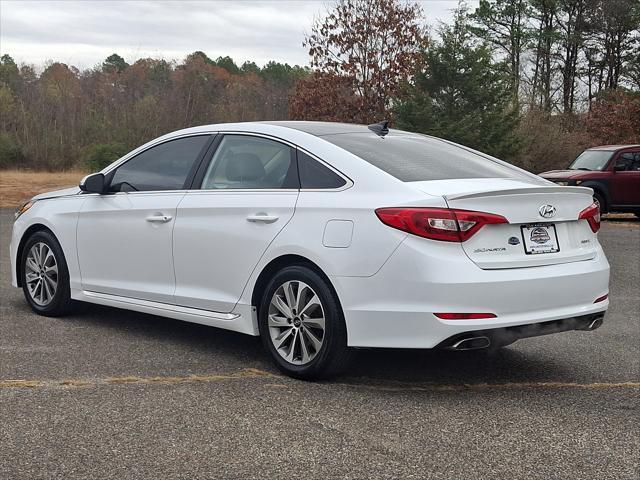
[{"x": 114, "y": 394}]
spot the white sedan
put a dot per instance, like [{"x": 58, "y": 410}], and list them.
[{"x": 319, "y": 237}]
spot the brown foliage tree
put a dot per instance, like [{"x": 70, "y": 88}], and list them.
[
  {"x": 376, "y": 44},
  {"x": 326, "y": 97},
  {"x": 615, "y": 118}
]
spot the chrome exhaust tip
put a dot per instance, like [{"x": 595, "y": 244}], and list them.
[
  {"x": 592, "y": 324},
  {"x": 597, "y": 322},
  {"x": 471, "y": 343}
]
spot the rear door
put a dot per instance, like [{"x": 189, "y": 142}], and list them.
[{"x": 248, "y": 194}]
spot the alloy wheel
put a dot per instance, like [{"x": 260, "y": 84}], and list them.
[
  {"x": 41, "y": 274},
  {"x": 296, "y": 322}
]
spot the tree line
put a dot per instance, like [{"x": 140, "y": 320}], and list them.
[
  {"x": 531, "y": 81},
  {"x": 64, "y": 117}
]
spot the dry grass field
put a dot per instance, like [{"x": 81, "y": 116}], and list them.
[{"x": 18, "y": 186}]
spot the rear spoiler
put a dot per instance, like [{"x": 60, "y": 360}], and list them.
[{"x": 520, "y": 191}]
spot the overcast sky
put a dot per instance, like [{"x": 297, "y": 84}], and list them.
[{"x": 83, "y": 33}]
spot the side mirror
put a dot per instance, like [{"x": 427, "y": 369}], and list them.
[
  {"x": 93, "y": 183},
  {"x": 619, "y": 168}
]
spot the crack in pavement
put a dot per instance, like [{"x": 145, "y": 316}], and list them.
[{"x": 249, "y": 373}]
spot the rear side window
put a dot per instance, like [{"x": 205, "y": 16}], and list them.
[
  {"x": 163, "y": 167},
  {"x": 412, "y": 158},
  {"x": 247, "y": 162},
  {"x": 628, "y": 162},
  {"x": 314, "y": 175}
]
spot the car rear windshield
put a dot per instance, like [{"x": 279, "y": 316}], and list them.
[{"x": 413, "y": 157}]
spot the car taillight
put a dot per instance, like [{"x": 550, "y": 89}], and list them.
[
  {"x": 446, "y": 224},
  {"x": 592, "y": 215},
  {"x": 464, "y": 316}
]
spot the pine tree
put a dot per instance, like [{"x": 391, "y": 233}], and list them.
[{"x": 460, "y": 94}]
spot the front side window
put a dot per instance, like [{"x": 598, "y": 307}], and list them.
[
  {"x": 246, "y": 162},
  {"x": 163, "y": 167},
  {"x": 411, "y": 157}
]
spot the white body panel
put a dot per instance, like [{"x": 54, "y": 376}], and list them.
[
  {"x": 202, "y": 264},
  {"x": 390, "y": 309},
  {"x": 122, "y": 251},
  {"x": 217, "y": 245},
  {"x": 519, "y": 203}
]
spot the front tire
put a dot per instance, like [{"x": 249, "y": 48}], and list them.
[
  {"x": 302, "y": 326},
  {"x": 44, "y": 275},
  {"x": 599, "y": 199}
]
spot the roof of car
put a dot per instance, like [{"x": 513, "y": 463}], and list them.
[
  {"x": 320, "y": 129},
  {"x": 613, "y": 148}
]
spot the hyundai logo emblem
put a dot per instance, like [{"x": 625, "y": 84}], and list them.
[{"x": 547, "y": 211}]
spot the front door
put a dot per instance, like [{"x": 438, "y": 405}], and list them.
[
  {"x": 625, "y": 181},
  {"x": 248, "y": 194},
  {"x": 125, "y": 235}
]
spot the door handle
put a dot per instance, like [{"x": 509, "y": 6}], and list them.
[
  {"x": 262, "y": 217},
  {"x": 159, "y": 218}
]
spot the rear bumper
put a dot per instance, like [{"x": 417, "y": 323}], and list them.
[
  {"x": 499, "y": 337},
  {"x": 394, "y": 308}
]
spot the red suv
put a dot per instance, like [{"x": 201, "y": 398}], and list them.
[{"x": 612, "y": 171}]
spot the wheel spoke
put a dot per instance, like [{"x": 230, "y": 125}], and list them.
[
  {"x": 51, "y": 282},
  {"x": 312, "y": 302},
  {"x": 31, "y": 264},
  {"x": 278, "y": 321},
  {"x": 289, "y": 296},
  {"x": 34, "y": 288},
  {"x": 42, "y": 292},
  {"x": 52, "y": 270},
  {"x": 282, "y": 338},
  {"x": 316, "y": 342},
  {"x": 32, "y": 277},
  {"x": 290, "y": 356},
  {"x": 48, "y": 291},
  {"x": 301, "y": 288},
  {"x": 314, "y": 322},
  {"x": 48, "y": 256},
  {"x": 304, "y": 351},
  {"x": 281, "y": 305}
]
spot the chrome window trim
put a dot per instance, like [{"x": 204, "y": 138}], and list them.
[
  {"x": 349, "y": 183},
  {"x": 134, "y": 153}
]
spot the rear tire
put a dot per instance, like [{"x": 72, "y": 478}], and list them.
[
  {"x": 44, "y": 275},
  {"x": 302, "y": 326}
]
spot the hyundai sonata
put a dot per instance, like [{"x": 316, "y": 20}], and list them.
[{"x": 319, "y": 237}]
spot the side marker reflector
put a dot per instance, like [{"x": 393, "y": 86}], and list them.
[{"x": 464, "y": 316}]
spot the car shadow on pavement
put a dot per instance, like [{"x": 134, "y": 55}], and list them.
[
  {"x": 453, "y": 368},
  {"x": 238, "y": 351}
]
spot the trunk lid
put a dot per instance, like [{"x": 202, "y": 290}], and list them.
[{"x": 528, "y": 239}]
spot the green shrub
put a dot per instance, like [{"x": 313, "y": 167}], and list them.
[
  {"x": 99, "y": 156},
  {"x": 11, "y": 154}
]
